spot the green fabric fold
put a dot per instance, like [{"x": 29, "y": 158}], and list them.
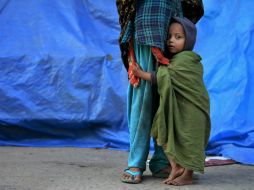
[{"x": 182, "y": 122}]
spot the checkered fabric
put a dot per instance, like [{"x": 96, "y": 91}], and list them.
[{"x": 149, "y": 25}]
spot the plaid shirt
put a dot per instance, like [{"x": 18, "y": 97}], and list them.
[{"x": 152, "y": 21}]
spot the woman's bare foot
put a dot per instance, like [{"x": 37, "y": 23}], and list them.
[
  {"x": 184, "y": 179},
  {"x": 176, "y": 171}
]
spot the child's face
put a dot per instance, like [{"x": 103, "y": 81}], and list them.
[{"x": 176, "y": 38}]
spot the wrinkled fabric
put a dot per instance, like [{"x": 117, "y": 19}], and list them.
[
  {"x": 159, "y": 161},
  {"x": 182, "y": 122},
  {"x": 150, "y": 25},
  {"x": 152, "y": 20},
  {"x": 226, "y": 43},
  {"x": 62, "y": 81},
  {"x": 126, "y": 11},
  {"x": 140, "y": 111}
]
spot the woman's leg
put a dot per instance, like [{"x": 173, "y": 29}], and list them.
[
  {"x": 159, "y": 164},
  {"x": 140, "y": 113}
]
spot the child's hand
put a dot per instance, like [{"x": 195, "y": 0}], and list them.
[
  {"x": 139, "y": 73},
  {"x": 136, "y": 70},
  {"x": 134, "y": 80}
]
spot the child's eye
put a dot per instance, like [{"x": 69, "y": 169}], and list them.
[{"x": 178, "y": 37}]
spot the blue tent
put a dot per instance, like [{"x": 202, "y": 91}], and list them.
[{"x": 62, "y": 82}]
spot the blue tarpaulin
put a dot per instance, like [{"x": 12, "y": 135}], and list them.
[{"x": 62, "y": 82}]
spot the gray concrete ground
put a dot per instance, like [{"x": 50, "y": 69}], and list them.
[{"x": 23, "y": 168}]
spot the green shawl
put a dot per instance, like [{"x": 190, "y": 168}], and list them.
[{"x": 182, "y": 123}]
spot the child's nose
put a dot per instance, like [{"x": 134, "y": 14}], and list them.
[{"x": 169, "y": 41}]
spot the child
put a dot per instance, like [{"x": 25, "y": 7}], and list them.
[{"x": 182, "y": 122}]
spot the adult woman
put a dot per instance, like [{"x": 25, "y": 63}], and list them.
[{"x": 144, "y": 26}]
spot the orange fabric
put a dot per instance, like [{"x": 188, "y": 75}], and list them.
[
  {"x": 159, "y": 56},
  {"x": 134, "y": 80}
]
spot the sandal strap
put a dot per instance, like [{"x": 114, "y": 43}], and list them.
[{"x": 132, "y": 172}]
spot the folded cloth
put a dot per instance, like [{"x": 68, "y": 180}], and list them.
[
  {"x": 215, "y": 162},
  {"x": 218, "y": 161}
]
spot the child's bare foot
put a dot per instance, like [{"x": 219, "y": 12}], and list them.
[
  {"x": 176, "y": 171},
  {"x": 184, "y": 179}
]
